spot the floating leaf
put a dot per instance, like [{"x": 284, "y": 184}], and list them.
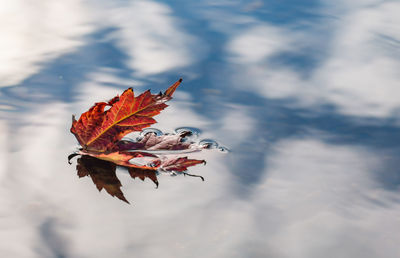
[{"x": 98, "y": 130}]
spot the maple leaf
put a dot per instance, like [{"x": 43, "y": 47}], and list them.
[
  {"x": 100, "y": 134},
  {"x": 98, "y": 130}
]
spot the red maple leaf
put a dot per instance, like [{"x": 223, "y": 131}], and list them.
[{"x": 98, "y": 130}]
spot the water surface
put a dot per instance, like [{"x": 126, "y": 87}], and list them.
[{"x": 305, "y": 94}]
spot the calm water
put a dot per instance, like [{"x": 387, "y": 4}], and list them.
[{"x": 305, "y": 94}]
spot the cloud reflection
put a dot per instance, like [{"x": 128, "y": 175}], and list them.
[
  {"x": 147, "y": 31},
  {"x": 258, "y": 43},
  {"x": 310, "y": 198},
  {"x": 151, "y": 36},
  {"x": 319, "y": 191},
  {"x": 358, "y": 73},
  {"x": 35, "y": 33}
]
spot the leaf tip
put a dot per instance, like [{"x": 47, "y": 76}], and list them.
[{"x": 172, "y": 88}]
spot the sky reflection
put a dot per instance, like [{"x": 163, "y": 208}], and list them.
[
  {"x": 305, "y": 95},
  {"x": 354, "y": 71}
]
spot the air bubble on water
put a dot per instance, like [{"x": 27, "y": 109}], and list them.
[
  {"x": 157, "y": 132},
  {"x": 223, "y": 149},
  {"x": 193, "y": 131},
  {"x": 208, "y": 144},
  {"x": 190, "y": 133}
]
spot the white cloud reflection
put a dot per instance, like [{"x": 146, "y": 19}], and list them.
[
  {"x": 319, "y": 198},
  {"x": 258, "y": 43},
  {"x": 33, "y": 33},
  {"x": 152, "y": 37},
  {"x": 146, "y": 31},
  {"x": 359, "y": 74}
]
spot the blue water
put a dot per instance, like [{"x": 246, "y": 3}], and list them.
[{"x": 304, "y": 94}]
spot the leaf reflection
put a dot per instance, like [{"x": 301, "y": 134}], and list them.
[{"x": 103, "y": 174}]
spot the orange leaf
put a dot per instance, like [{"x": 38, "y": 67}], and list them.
[{"x": 98, "y": 130}]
